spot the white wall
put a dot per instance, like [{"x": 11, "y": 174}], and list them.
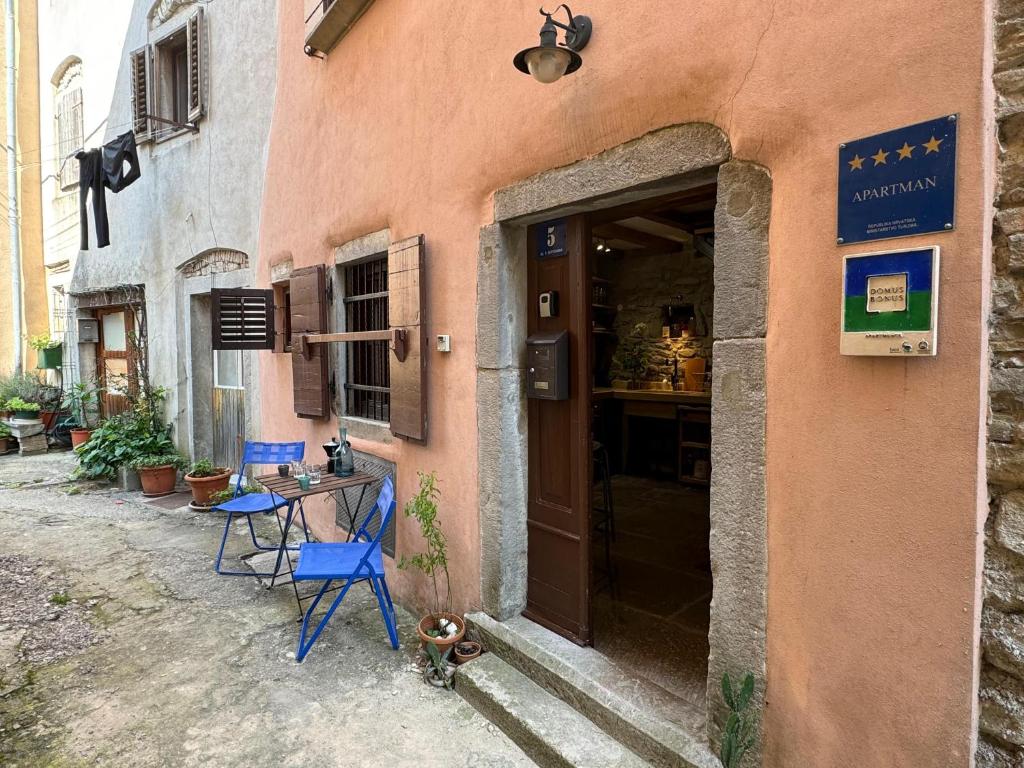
[{"x": 198, "y": 191}]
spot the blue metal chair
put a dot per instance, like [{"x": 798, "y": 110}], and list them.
[
  {"x": 258, "y": 503},
  {"x": 358, "y": 560}
]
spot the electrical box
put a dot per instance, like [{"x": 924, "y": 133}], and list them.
[
  {"x": 88, "y": 330},
  {"x": 547, "y": 366}
]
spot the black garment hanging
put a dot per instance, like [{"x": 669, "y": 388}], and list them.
[{"x": 101, "y": 169}]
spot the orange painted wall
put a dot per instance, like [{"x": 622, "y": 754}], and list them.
[{"x": 875, "y": 504}]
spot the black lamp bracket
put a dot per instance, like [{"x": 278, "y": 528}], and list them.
[{"x": 577, "y": 31}]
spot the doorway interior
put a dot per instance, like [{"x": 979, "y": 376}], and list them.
[{"x": 619, "y": 471}]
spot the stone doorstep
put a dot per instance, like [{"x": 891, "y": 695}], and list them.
[
  {"x": 656, "y": 725},
  {"x": 552, "y": 733}
]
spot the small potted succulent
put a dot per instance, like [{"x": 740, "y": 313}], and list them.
[
  {"x": 158, "y": 472},
  {"x": 206, "y": 480},
  {"x": 22, "y": 409},
  {"x": 48, "y": 349},
  {"x": 440, "y": 628}
]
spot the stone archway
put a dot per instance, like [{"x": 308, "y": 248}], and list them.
[{"x": 660, "y": 162}]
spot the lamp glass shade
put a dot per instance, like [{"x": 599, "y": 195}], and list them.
[{"x": 548, "y": 64}]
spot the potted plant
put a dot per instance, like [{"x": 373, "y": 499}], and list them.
[
  {"x": 634, "y": 355},
  {"x": 81, "y": 400},
  {"x": 48, "y": 349},
  {"x": 22, "y": 409},
  {"x": 467, "y": 650},
  {"x": 48, "y": 398},
  {"x": 5, "y": 438},
  {"x": 158, "y": 472},
  {"x": 206, "y": 480},
  {"x": 440, "y": 627}
]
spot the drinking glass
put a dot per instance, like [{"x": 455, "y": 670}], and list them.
[{"x": 314, "y": 475}]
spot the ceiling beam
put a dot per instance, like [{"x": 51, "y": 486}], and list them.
[{"x": 620, "y": 232}]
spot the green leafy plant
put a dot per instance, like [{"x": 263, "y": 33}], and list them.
[
  {"x": 738, "y": 735},
  {"x": 27, "y": 386},
  {"x": 204, "y": 468},
  {"x": 5, "y": 431},
  {"x": 81, "y": 399},
  {"x": 119, "y": 440},
  {"x": 633, "y": 355},
  {"x": 60, "y": 598},
  {"x": 43, "y": 341},
  {"x": 227, "y": 494},
  {"x": 154, "y": 460},
  {"x": 434, "y": 561},
  {"x": 437, "y": 671},
  {"x": 17, "y": 404}
]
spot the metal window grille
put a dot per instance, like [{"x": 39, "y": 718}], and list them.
[{"x": 367, "y": 375}]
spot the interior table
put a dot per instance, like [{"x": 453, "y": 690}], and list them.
[{"x": 330, "y": 484}]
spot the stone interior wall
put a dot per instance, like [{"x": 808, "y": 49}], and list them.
[
  {"x": 644, "y": 283},
  {"x": 1001, "y": 725}
]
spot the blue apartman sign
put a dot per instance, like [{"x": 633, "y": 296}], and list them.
[{"x": 898, "y": 183}]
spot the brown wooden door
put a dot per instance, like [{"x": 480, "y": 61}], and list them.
[
  {"x": 113, "y": 364},
  {"x": 558, "y": 521}
]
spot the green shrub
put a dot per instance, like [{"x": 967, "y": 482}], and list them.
[
  {"x": 119, "y": 440},
  {"x": 27, "y": 386},
  {"x": 5, "y": 431},
  {"x": 17, "y": 404},
  {"x": 153, "y": 460},
  {"x": 204, "y": 468},
  {"x": 43, "y": 341},
  {"x": 81, "y": 400}
]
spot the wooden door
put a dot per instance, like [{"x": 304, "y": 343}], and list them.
[
  {"x": 113, "y": 363},
  {"x": 558, "y": 519},
  {"x": 228, "y": 407}
]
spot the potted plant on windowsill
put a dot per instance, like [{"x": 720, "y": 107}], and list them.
[
  {"x": 49, "y": 350},
  {"x": 206, "y": 480},
  {"x": 22, "y": 409},
  {"x": 158, "y": 472},
  {"x": 440, "y": 627},
  {"x": 81, "y": 399}
]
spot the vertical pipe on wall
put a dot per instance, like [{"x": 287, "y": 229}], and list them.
[{"x": 12, "y": 181}]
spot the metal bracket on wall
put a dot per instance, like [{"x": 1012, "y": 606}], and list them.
[
  {"x": 397, "y": 338},
  {"x": 174, "y": 123}
]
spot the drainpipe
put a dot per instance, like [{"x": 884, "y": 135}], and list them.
[{"x": 12, "y": 182}]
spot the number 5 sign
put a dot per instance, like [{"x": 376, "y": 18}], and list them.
[{"x": 551, "y": 239}]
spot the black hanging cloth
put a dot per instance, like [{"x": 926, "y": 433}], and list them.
[{"x": 104, "y": 168}]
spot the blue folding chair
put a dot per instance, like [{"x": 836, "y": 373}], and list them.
[
  {"x": 259, "y": 503},
  {"x": 358, "y": 560}
]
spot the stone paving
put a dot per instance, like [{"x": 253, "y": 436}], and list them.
[{"x": 163, "y": 663}]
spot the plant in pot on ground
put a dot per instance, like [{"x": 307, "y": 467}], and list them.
[
  {"x": 81, "y": 400},
  {"x": 22, "y": 409},
  {"x": 440, "y": 629},
  {"x": 206, "y": 480},
  {"x": 158, "y": 472}
]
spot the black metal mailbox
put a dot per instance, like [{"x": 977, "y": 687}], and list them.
[{"x": 547, "y": 366}]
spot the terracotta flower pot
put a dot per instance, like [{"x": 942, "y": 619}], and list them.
[
  {"x": 158, "y": 481},
  {"x": 48, "y": 418},
  {"x": 467, "y": 650},
  {"x": 430, "y": 622},
  {"x": 80, "y": 436},
  {"x": 204, "y": 487}
]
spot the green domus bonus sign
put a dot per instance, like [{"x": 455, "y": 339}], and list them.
[{"x": 890, "y": 303}]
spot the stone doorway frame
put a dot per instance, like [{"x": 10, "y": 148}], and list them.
[{"x": 663, "y": 161}]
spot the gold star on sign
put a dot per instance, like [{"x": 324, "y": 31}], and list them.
[
  {"x": 933, "y": 145},
  {"x": 880, "y": 157},
  {"x": 906, "y": 150},
  {"x": 857, "y": 164}
]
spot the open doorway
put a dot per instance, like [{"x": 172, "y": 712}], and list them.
[{"x": 652, "y": 275}]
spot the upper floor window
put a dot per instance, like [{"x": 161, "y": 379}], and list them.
[
  {"x": 168, "y": 80},
  {"x": 70, "y": 124}
]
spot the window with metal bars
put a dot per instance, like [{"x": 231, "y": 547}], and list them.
[{"x": 367, "y": 374}]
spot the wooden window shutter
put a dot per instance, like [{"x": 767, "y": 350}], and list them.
[
  {"x": 243, "y": 318},
  {"x": 196, "y": 62},
  {"x": 69, "y": 136},
  {"x": 311, "y": 391},
  {"x": 406, "y": 302},
  {"x": 141, "y": 93}
]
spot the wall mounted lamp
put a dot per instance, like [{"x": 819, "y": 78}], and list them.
[{"x": 550, "y": 60}]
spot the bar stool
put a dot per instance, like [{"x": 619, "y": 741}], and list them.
[{"x": 603, "y": 519}]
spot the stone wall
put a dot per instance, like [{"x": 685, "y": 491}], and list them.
[
  {"x": 1001, "y": 725},
  {"x": 643, "y": 284}
]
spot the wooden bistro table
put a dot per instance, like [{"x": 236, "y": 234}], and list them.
[{"x": 288, "y": 489}]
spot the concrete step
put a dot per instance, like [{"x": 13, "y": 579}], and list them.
[
  {"x": 552, "y": 733},
  {"x": 656, "y": 725}
]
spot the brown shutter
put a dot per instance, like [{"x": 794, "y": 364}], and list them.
[
  {"x": 308, "y": 290},
  {"x": 196, "y": 62},
  {"x": 141, "y": 96},
  {"x": 405, "y": 310},
  {"x": 243, "y": 318}
]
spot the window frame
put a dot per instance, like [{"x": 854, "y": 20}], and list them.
[
  {"x": 241, "y": 369},
  {"x": 349, "y": 301},
  {"x": 68, "y": 85}
]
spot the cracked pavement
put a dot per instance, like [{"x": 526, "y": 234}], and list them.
[{"x": 182, "y": 667}]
